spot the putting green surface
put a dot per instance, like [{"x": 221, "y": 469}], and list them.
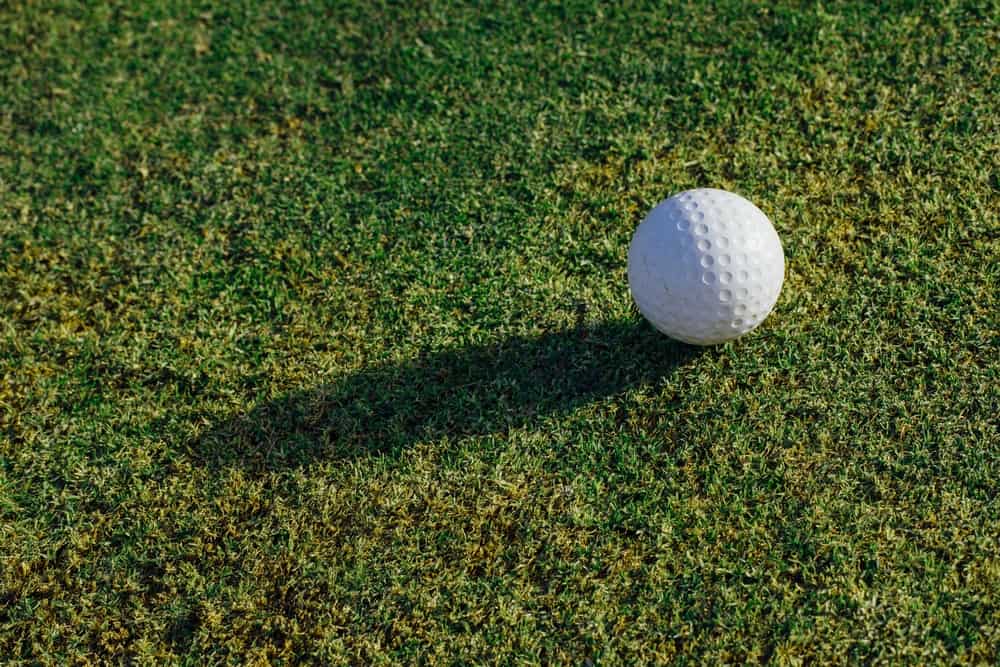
[{"x": 316, "y": 342}]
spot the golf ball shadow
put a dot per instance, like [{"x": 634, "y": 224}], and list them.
[{"x": 475, "y": 390}]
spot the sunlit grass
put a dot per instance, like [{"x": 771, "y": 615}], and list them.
[{"x": 316, "y": 344}]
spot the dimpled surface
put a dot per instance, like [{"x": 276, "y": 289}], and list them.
[{"x": 705, "y": 266}]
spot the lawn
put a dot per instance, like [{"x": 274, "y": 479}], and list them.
[{"x": 316, "y": 344}]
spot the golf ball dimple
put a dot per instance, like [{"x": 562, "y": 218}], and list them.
[{"x": 705, "y": 266}]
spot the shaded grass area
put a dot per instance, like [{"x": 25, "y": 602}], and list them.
[
  {"x": 453, "y": 393},
  {"x": 315, "y": 341}
]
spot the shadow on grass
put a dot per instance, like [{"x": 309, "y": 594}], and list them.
[{"x": 475, "y": 390}]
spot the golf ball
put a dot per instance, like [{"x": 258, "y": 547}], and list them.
[{"x": 705, "y": 266}]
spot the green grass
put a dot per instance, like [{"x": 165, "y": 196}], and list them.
[{"x": 316, "y": 343}]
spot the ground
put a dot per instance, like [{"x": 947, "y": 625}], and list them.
[{"x": 316, "y": 343}]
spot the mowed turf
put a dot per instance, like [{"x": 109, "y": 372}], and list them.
[{"x": 316, "y": 342}]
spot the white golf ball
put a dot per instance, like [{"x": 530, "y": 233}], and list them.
[{"x": 705, "y": 266}]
